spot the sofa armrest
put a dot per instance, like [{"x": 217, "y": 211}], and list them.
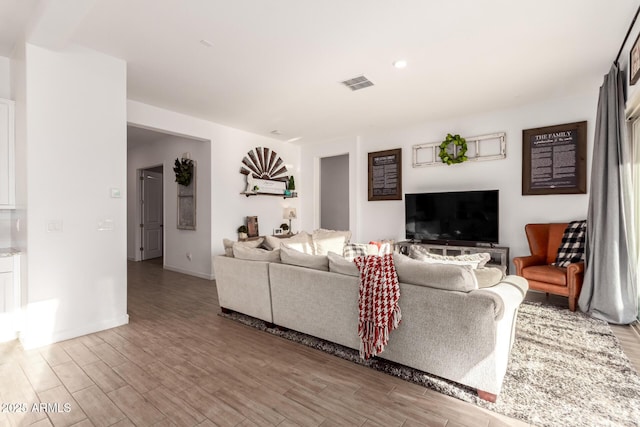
[
  {"x": 507, "y": 294},
  {"x": 527, "y": 261},
  {"x": 575, "y": 276}
]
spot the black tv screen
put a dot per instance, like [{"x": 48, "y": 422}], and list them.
[{"x": 463, "y": 217}]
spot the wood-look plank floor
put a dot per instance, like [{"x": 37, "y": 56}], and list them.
[{"x": 177, "y": 363}]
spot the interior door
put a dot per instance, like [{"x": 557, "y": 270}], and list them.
[
  {"x": 334, "y": 192},
  {"x": 152, "y": 236}
]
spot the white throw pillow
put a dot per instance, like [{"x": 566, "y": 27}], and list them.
[
  {"x": 473, "y": 260},
  {"x": 228, "y": 245},
  {"x": 301, "y": 241},
  {"x": 488, "y": 276},
  {"x": 325, "y": 241},
  {"x": 353, "y": 250},
  {"x": 295, "y": 257},
  {"x": 256, "y": 254}
]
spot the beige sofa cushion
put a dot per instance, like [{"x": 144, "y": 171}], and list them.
[
  {"x": 256, "y": 254},
  {"x": 441, "y": 276},
  {"x": 341, "y": 265},
  {"x": 325, "y": 241},
  {"x": 473, "y": 260},
  {"x": 228, "y": 245},
  {"x": 295, "y": 257},
  {"x": 301, "y": 242}
]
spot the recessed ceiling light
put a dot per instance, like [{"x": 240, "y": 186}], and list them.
[
  {"x": 205, "y": 42},
  {"x": 400, "y": 63}
]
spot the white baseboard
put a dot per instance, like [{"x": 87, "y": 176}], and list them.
[
  {"x": 29, "y": 342},
  {"x": 188, "y": 272}
]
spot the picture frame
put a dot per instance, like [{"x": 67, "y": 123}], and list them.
[
  {"x": 252, "y": 226},
  {"x": 385, "y": 175},
  {"x": 278, "y": 232},
  {"x": 634, "y": 62},
  {"x": 554, "y": 159}
]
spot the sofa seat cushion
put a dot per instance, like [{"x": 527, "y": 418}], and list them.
[
  {"x": 546, "y": 273},
  {"x": 301, "y": 242},
  {"x": 440, "y": 276},
  {"x": 256, "y": 254},
  {"x": 292, "y": 256}
]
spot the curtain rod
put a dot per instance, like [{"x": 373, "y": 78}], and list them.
[{"x": 627, "y": 36}]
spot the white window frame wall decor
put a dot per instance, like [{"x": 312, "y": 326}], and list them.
[{"x": 479, "y": 148}]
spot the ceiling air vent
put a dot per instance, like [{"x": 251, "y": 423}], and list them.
[{"x": 356, "y": 83}]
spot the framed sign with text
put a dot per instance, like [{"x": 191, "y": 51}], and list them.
[
  {"x": 385, "y": 175},
  {"x": 554, "y": 159},
  {"x": 634, "y": 62}
]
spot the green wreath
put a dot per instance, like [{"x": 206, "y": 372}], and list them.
[
  {"x": 184, "y": 171},
  {"x": 457, "y": 141}
]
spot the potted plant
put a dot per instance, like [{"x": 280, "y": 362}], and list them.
[
  {"x": 285, "y": 228},
  {"x": 242, "y": 232},
  {"x": 184, "y": 171},
  {"x": 292, "y": 184}
]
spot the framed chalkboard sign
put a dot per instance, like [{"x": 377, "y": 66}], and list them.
[
  {"x": 554, "y": 159},
  {"x": 385, "y": 175}
]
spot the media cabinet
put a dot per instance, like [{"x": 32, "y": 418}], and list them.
[{"x": 499, "y": 254}]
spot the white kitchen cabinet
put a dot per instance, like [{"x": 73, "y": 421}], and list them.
[
  {"x": 9, "y": 297},
  {"x": 7, "y": 155}
]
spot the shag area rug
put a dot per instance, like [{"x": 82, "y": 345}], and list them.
[{"x": 565, "y": 369}]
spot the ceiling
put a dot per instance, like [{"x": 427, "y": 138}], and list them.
[{"x": 277, "y": 65}]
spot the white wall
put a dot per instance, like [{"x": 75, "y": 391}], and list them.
[
  {"x": 385, "y": 219},
  {"x": 75, "y": 153},
  {"x": 5, "y": 87},
  {"x": 228, "y": 147},
  {"x": 177, "y": 243}
]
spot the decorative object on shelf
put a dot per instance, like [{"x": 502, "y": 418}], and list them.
[
  {"x": 263, "y": 163},
  {"x": 184, "y": 171},
  {"x": 289, "y": 213},
  {"x": 554, "y": 159},
  {"x": 186, "y": 195},
  {"x": 458, "y": 151},
  {"x": 252, "y": 226},
  {"x": 278, "y": 231},
  {"x": 285, "y": 227},
  {"x": 292, "y": 184},
  {"x": 479, "y": 148},
  {"x": 242, "y": 232},
  {"x": 385, "y": 175}
]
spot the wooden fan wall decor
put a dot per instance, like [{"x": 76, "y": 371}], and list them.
[{"x": 264, "y": 163}]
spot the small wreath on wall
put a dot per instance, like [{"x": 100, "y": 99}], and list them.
[
  {"x": 184, "y": 171},
  {"x": 458, "y": 142}
]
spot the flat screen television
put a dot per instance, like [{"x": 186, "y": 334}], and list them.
[{"x": 461, "y": 217}]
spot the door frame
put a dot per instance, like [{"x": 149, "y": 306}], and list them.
[{"x": 139, "y": 214}]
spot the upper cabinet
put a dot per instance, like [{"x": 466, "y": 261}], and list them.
[{"x": 7, "y": 155}]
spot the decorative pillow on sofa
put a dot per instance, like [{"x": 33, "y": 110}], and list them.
[
  {"x": 256, "y": 254},
  {"x": 295, "y": 257},
  {"x": 440, "y": 276},
  {"x": 341, "y": 265},
  {"x": 325, "y": 241},
  {"x": 473, "y": 260},
  {"x": 353, "y": 250},
  {"x": 228, "y": 245},
  {"x": 301, "y": 242},
  {"x": 488, "y": 276}
]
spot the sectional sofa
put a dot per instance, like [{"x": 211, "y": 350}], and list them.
[{"x": 452, "y": 325}]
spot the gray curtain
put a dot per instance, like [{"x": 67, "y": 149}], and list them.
[{"x": 609, "y": 290}]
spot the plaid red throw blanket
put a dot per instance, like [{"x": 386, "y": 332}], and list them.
[{"x": 379, "y": 312}]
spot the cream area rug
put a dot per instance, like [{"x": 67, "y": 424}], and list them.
[{"x": 565, "y": 369}]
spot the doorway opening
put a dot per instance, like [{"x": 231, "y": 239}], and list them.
[
  {"x": 151, "y": 199},
  {"x": 334, "y": 192}
]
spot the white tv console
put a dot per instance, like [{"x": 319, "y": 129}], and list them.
[{"x": 499, "y": 254}]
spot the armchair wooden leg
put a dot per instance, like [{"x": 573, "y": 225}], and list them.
[
  {"x": 573, "y": 301},
  {"x": 489, "y": 397}
]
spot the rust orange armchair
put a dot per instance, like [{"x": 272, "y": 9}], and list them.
[{"x": 544, "y": 241}]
